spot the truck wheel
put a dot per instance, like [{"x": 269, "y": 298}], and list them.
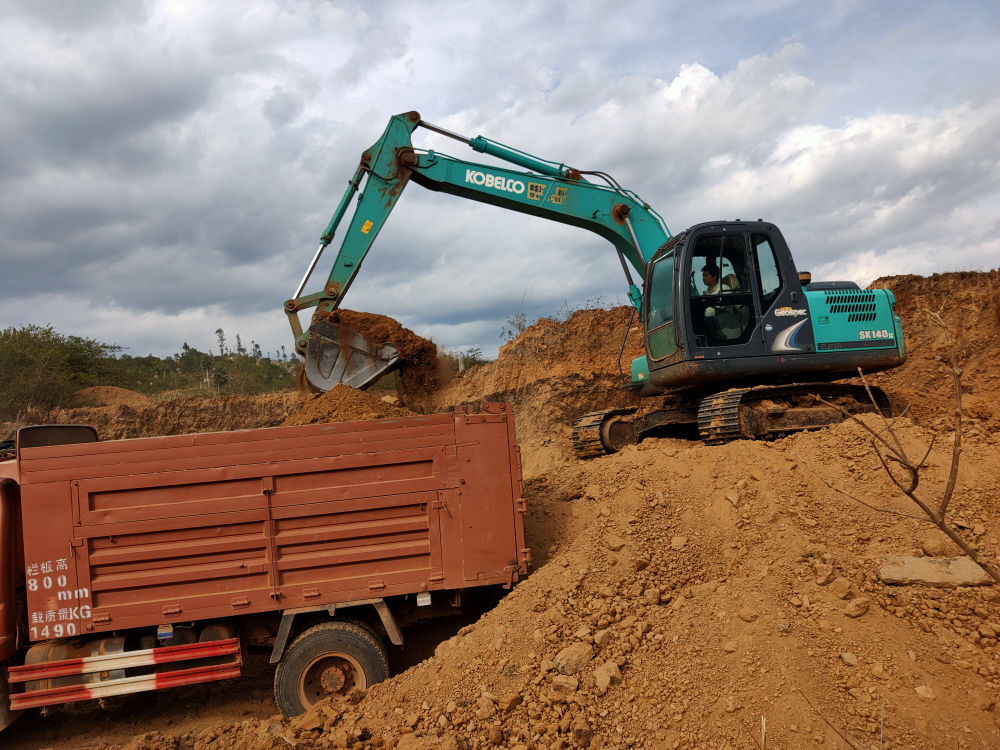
[{"x": 327, "y": 660}]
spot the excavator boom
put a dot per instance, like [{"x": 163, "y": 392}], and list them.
[{"x": 551, "y": 191}]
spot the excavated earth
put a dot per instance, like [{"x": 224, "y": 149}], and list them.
[
  {"x": 344, "y": 404},
  {"x": 419, "y": 370},
  {"x": 684, "y": 595}
]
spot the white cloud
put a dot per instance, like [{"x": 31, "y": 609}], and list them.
[{"x": 174, "y": 167}]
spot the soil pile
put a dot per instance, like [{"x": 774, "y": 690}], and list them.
[
  {"x": 969, "y": 302},
  {"x": 109, "y": 395},
  {"x": 176, "y": 417},
  {"x": 690, "y": 590},
  {"x": 553, "y": 373},
  {"x": 419, "y": 369},
  {"x": 344, "y": 404}
]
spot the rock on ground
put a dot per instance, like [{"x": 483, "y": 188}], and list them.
[
  {"x": 606, "y": 675},
  {"x": 573, "y": 659},
  {"x": 942, "y": 572},
  {"x": 413, "y": 742}
]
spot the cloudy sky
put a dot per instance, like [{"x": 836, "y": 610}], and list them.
[{"x": 166, "y": 168}]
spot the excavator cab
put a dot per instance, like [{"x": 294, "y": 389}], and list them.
[{"x": 711, "y": 294}]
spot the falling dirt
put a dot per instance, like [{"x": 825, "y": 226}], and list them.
[
  {"x": 419, "y": 369},
  {"x": 684, "y": 596},
  {"x": 344, "y": 404}
]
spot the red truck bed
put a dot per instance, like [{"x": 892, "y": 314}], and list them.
[{"x": 138, "y": 533}]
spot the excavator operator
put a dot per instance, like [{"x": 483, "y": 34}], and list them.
[
  {"x": 723, "y": 322},
  {"x": 710, "y": 278}
]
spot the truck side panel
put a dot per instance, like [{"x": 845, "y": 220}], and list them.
[{"x": 137, "y": 533}]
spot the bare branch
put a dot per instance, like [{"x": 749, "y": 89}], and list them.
[
  {"x": 973, "y": 555},
  {"x": 898, "y": 417},
  {"x": 847, "y": 414},
  {"x": 885, "y": 422},
  {"x": 956, "y": 450},
  {"x": 749, "y": 732},
  {"x": 897, "y": 454},
  {"x": 848, "y": 494},
  {"x": 913, "y": 474},
  {"x": 923, "y": 461}
]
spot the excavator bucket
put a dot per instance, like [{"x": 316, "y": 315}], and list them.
[{"x": 339, "y": 355}]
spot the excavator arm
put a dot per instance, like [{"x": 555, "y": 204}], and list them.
[{"x": 549, "y": 190}]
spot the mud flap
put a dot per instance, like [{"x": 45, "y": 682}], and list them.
[{"x": 337, "y": 355}]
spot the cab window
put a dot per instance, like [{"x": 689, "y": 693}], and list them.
[
  {"x": 660, "y": 308},
  {"x": 767, "y": 269},
  {"x": 722, "y": 310}
]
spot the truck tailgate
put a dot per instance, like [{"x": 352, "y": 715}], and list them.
[{"x": 135, "y": 533}]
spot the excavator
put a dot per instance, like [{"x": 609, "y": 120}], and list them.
[{"x": 739, "y": 344}]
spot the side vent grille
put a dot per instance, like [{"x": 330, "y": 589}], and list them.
[{"x": 859, "y": 304}]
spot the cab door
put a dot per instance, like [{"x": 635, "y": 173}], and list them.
[
  {"x": 786, "y": 325},
  {"x": 720, "y": 284}
]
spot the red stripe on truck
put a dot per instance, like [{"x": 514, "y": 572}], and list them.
[
  {"x": 142, "y": 683},
  {"x": 127, "y": 660}
]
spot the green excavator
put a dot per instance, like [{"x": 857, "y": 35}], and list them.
[{"x": 739, "y": 343}]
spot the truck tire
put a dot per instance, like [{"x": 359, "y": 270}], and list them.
[{"x": 328, "y": 660}]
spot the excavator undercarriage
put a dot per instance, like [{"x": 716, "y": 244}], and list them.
[{"x": 762, "y": 412}]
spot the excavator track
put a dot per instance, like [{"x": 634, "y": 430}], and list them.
[
  {"x": 587, "y": 441},
  {"x": 752, "y": 413},
  {"x": 719, "y": 417}
]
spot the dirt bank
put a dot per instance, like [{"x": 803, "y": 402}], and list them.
[
  {"x": 969, "y": 302},
  {"x": 109, "y": 395},
  {"x": 553, "y": 374},
  {"x": 176, "y": 417}
]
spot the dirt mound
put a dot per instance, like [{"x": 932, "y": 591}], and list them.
[
  {"x": 969, "y": 302},
  {"x": 177, "y": 417},
  {"x": 419, "y": 371},
  {"x": 344, "y": 404},
  {"x": 553, "y": 374},
  {"x": 109, "y": 395}
]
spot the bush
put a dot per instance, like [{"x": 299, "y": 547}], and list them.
[
  {"x": 41, "y": 369},
  {"x": 469, "y": 358}
]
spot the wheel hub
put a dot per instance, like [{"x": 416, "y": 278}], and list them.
[{"x": 332, "y": 679}]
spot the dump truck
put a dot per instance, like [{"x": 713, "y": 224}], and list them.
[{"x": 143, "y": 564}]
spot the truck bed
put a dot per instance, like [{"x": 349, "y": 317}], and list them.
[{"x": 135, "y": 533}]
